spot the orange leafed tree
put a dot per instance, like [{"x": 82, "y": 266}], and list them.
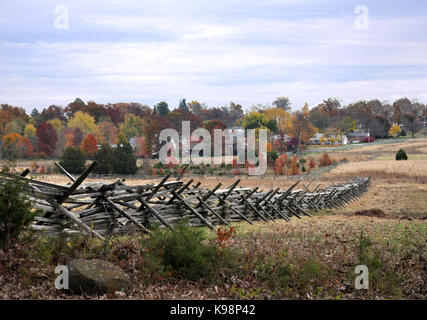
[
  {"x": 294, "y": 166},
  {"x": 325, "y": 160},
  {"x": 89, "y": 145},
  {"x": 17, "y": 146},
  {"x": 278, "y": 166},
  {"x": 311, "y": 164},
  {"x": 285, "y": 159},
  {"x": 69, "y": 140},
  {"x": 107, "y": 132}
]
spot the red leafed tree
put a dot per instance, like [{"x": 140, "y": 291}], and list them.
[
  {"x": 115, "y": 113},
  {"x": 25, "y": 147},
  {"x": 89, "y": 145},
  {"x": 47, "y": 138}
]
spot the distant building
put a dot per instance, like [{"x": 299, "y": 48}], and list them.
[
  {"x": 320, "y": 138},
  {"x": 317, "y": 138}
]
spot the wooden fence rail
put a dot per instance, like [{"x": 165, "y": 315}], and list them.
[{"x": 102, "y": 209}]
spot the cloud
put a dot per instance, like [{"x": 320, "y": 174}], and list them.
[{"x": 242, "y": 51}]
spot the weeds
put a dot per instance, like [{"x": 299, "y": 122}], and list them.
[{"x": 187, "y": 252}]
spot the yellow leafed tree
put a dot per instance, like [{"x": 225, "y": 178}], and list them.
[
  {"x": 83, "y": 121},
  {"x": 394, "y": 130}
]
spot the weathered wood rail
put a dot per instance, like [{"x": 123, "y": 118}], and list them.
[{"x": 101, "y": 209}]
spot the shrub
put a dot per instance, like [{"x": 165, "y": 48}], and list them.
[
  {"x": 15, "y": 212},
  {"x": 325, "y": 160},
  {"x": 276, "y": 274},
  {"x": 73, "y": 160},
  {"x": 158, "y": 165},
  {"x": 187, "y": 253},
  {"x": 401, "y": 155},
  {"x": 311, "y": 164},
  {"x": 123, "y": 160}
]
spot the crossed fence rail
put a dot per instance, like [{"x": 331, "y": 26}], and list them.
[{"x": 103, "y": 209}]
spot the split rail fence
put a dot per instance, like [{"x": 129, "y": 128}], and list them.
[{"x": 102, "y": 209}]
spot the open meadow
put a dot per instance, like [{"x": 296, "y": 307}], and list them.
[{"x": 308, "y": 258}]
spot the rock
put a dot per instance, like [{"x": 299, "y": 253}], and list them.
[{"x": 96, "y": 277}]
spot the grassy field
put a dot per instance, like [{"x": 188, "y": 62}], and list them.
[{"x": 311, "y": 258}]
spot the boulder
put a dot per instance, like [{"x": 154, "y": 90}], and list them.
[{"x": 96, "y": 277}]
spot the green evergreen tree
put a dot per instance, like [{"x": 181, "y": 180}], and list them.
[
  {"x": 123, "y": 160},
  {"x": 162, "y": 108},
  {"x": 15, "y": 212},
  {"x": 183, "y": 105},
  {"x": 104, "y": 157},
  {"x": 401, "y": 155},
  {"x": 73, "y": 160}
]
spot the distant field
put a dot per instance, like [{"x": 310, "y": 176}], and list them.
[
  {"x": 383, "y": 169},
  {"x": 410, "y": 157}
]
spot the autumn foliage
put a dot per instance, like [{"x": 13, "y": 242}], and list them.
[
  {"x": 294, "y": 166},
  {"x": 16, "y": 146},
  {"x": 89, "y": 146},
  {"x": 325, "y": 160},
  {"x": 311, "y": 164},
  {"x": 47, "y": 139},
  {"x": 278, "y": 166},
  {"x": 224, "y": 234}
]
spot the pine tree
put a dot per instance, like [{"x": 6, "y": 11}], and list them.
[
  {"x": 401, "y": 155},
  {"x": 123, "y": 160},
  {"x": 73, "y": 160},
  {"x": 104, "y": 158}
]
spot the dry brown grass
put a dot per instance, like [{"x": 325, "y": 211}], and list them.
[
  {"x": 418, "y": 146},
  {"x": 397, "y": 200},
  {"x": 415, "y": 170},
  {"x": 341, "y": 155}
]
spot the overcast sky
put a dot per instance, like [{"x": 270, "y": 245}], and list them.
[{"x": 216, "y": 51}]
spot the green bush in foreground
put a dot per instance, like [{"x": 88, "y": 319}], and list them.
[
  {"x": 186, "y": 252},
  {"x": 401, "y": 155},
  {"x": 15, "y": 213}
]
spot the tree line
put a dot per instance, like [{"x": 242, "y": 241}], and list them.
[{"x": 87, "y": 125}]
